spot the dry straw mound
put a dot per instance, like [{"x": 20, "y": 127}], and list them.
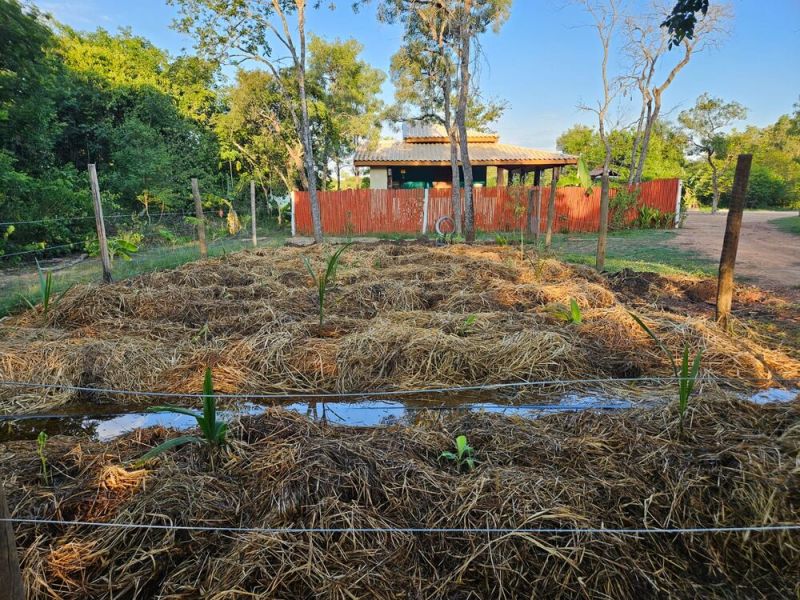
[
  {"x": 734, "y": 465},
  {"x": 399, "y": 317}
]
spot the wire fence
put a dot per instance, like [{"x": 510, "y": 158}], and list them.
[
  {"x": 419, "y": 530},
  {"x": 138, "y": 243}
]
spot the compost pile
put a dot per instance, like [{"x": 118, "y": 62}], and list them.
[
  {"x": 398, "y": 317},
  {"x": 733, "y": 464}
]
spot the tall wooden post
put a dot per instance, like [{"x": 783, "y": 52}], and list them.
[
  {"x": 551, "y": 207},
  {"x": 730, "y": 244},
  {"x": 201, "y": 222},
  {"x": 10, "y": 574},
  {"x": 100, "y": 224},
  {"x": 253, "y": 212},
  {"x": 535, "y": 205}
]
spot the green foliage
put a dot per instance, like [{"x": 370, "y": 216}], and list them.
[
  {"x": 619, "y": 206},
  {"x": 41, "y": 446},
  {"x": 465, "y": 327},
  {"x": 45, "y": 287},
  {"x": 464, "y": 455},
  {"x": 571, "y": 314},
  {"x": 214, "y": 431},
  {"x": 649, "y": 217},
  {"x": 686, "y": 374},
  {"x": 501, "y": 240},
  {"x": 123, "y": 246},
  {"x": 326, "y": 278}
]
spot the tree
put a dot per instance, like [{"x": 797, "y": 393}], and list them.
[
  {"x": 424, "y": 77},
  {"x": 647, "y": 45},
  {"x": 682, "y": 21},
  {"x": 344, "y": 92},
  {"x": 248, "y": 30},
  {"x": 473, "y": 18},
  {"x": 706, "y": 123},
  {"x": 605, "y": 16}
]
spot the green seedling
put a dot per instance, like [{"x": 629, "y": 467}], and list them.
[
  {"x": 686, "y": 373},
  {"x": 41, "y": 444},
  {"x": 326, "y": 278},
  {"x": 214, "y": 431},
  {"x": 466, "y": 325},
  {"x": 572, "y": 314},
  {"x": 463, "y": 456}
]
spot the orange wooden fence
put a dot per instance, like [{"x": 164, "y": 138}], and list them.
[{"x": 359, "y": 212}]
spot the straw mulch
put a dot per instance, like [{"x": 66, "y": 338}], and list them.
[
  {"x": 735, "y": 464},
  {"x": 398, "y": 318}
]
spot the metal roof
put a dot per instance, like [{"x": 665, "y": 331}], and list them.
[
  {"x": 416, "y": 132},
  {"x": 388, "y": 153}
]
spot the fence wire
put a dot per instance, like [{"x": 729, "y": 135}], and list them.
[{"x": 421, "y": 530}]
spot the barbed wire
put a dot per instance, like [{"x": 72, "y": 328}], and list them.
[
  {"x": 419, "y": 530},
  {"x": 92, "y": 217}
]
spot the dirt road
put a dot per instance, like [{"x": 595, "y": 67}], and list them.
[{"x": 767, "y": 256}]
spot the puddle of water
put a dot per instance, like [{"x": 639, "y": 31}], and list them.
[
  {"x": 108, "y": 422},
  {"x": 774, "y": 395}
]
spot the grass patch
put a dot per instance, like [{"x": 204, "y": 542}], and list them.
[
  {"x": 639, "y": 250},
  {"x": 788, "y": 224}
]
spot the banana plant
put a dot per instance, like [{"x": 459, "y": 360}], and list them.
[
  {"x": 324, "y": 279},
  {"x": 214, "y": 431},
  {"x": 686, "y": 373},
  {"x": 464, "y": 456}
]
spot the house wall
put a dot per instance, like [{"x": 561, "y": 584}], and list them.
[
  {"x": 378, "y": 178},
  {"x": 430, "y": 177}
]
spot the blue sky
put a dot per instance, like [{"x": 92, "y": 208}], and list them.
[{"x": 544, "y": 61}]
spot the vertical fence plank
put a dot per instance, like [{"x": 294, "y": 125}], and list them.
[{"x": 105, "y": 256}]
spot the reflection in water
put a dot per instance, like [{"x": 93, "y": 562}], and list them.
[{"x": 365, "y": 413}]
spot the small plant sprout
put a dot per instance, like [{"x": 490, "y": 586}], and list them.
[
  {"x": 686, "y": 374},
  {"x": 571, "y": 314},
  {"x": 41, "y": 444},
  {"x": 464, "y": 456},
  {"x": 214, "y": 431},
  {"x": 465, "y": 327},
  {"x": 326, "y": 278}
]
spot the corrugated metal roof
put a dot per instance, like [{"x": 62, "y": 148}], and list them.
[
  {"x": 416, "y": 132},
  {"x": 480, "y": 153}
]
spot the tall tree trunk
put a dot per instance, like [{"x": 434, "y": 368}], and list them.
[
  {"x": 455, "y": 190},
  {"x": 602, "y": 237},
  {"x": 714, "y": 185},
  {"x": 637, "y": 140},
  {"x": 308, "y": 150},
  {"x": 648, "y": 131},
  {"x": 461, "y": 119}
]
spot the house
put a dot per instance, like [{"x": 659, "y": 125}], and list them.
[
  {"x": 597, "y": 173},
  {"x": 422, "y": 159}
]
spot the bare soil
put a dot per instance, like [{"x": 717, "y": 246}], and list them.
[{"x": 767, "y": 256}]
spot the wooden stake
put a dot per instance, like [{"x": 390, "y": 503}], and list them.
[
  {"x": 551, "y": 208},
  {"x": 253, "y": 212},
  {"x": 535, "y": 210},
  {"x": 201, "y": 222},
  {"x": 10, "y": 574},
  {"x": 105, "y": 257},
  {"x": 730, "y": 245}
]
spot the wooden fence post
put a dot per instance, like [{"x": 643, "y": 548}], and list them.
[
  {"x": 551, "y": 208},
  {"x": 100, "y": 224},
  {"x": 253, "y": 212},
  {"x": 678, "y": 204},
  {"x": 730, "y": 244},
  {"x": 10, "y": 574},
  {"x": 292, "y": 213},
  {"x": 201, "y": 222}
]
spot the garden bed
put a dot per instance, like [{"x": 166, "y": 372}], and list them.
[
  {"x": 398, "y": 318},
  {"x": 734, "y": 464}
]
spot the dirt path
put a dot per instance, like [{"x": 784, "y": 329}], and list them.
[{"x": 767, "y": 256}]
